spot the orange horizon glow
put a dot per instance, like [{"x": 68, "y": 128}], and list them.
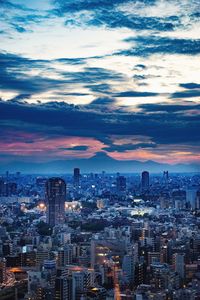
[{"x": 41, "y": 148}]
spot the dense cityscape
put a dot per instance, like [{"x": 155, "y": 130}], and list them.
[
  {"x": 99, "y": 149},
  {"x": 100, "y": 236}
]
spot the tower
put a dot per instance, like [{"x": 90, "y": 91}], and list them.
[
  {"x": 179, "y": 264},
  {"x": 2, "y": 270},
  {"x": 121, "y": 184},
  {"x": 145, "y": 180},
  {"x": 76, "y": 176},
  {"x": 55, "y": 198}
]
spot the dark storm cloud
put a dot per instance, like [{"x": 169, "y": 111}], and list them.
[
  {"x": 22, "y": 23},
  {"x": 140, "y": 77},
  {"x": 134, "y": 22},
  {"x": 116, "y": 14},
  {"x": 71, "y": 61},
  {"x": 101, "y": 105},
  {"x": 190, "y": 86},
  {"x": 169, "y": 108},
  {"x": 20, "y": 98},
  {"x": 76, "y": 148},
  {"x": 128, "y": 147},
  {"x": 11, "y": 5},
  {"x": 79, "y": 121},
  {"x": 17, "y": 62},
  {"x": 26, "y": 84},
  {"x": 20, "y": 17},
  {"x": 108, "y": 13},
  {"x": 99, "y": 88},
  {"x": 72, "y": 94},
  {"x": 186, "y": 94},
  {"x": 148, "y": 45},
  {"x": 92, "y": 75},
  {"x": 136, "y": 94},
  {"x": 14, "y": 76},
  {"x": 73, "y": 6},
  {"x": 101, "y": 101}
]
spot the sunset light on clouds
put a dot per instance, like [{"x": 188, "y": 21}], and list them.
[{"x": 81, "y": 77}]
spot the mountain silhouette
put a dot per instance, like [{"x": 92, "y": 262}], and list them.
[{"x": 98, "y": 163}]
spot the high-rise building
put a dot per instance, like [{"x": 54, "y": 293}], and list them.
[
  {"x": 179, "y": 264},
  {"x": 80, "y": 282},
  {"x": 128, "y": 268},
  {"x": 2, "y": 270},
  {"x": 76, "y": 176},
  {"x": 165, "y": 177},
  {"x": 198, "y": 200},
  {"x": 61, "y": 290},
  {"x": 41, "y": 255},
  {"x": 191, "y": 196},
  {"x": 55, "y": 198},
  {"x": 121, "y": 184},
  {"x": 145, "y": 180},
  {"x": 65, "y": 255}
]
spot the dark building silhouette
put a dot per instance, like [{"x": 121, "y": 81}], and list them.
[
  {"x": 7, "y": 188},
  {"x": 76, "y": 176},
  {"x": 55, "y": 198},
  {"x": 121, "y": 183},
  {"x": 145, "y": 180}
]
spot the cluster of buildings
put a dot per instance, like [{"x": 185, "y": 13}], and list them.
[{"x": 100, "y": 236}]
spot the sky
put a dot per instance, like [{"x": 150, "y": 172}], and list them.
[{"x": 82, "y": 77}]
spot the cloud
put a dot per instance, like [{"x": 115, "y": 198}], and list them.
[
  {"x": 31, "y": 77},
  {"x": 70, "y": 104},
  {"x": 76, "y": 148},
  {"x": 169, "y": 108},
  {"x": 190, "y": 86},
  {"x": 149, "y": 45},
  {"x": 119, "y": 133},
  {"x": 186, "y": 94},
  {"x": 20, "y": 17},
  {"x": 124, "y": 14},
  {"x": 83, "y": 122},
  {"x": 45, "y": 148},
  {"x": 172, "y": 154},
  {"x": 136, "y": 94}
]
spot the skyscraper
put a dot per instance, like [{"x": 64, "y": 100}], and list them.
[
  {"x": 61, "y": 286},
  {"x": 179, "y": 264},
  {"x": 55, "y": 197},
  {"x": 2, "y": 270},
  {"x": 76, "y": 176},
  {"x": 191, "y": 196},
  {"x": 145, "y": 180},
  {"x": 121, "y": 183}
]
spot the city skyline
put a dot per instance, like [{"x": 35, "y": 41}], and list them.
[{"x": 83, "y": 82}]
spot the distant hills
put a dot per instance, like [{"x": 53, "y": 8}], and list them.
[{"x": 98, "y": 163}]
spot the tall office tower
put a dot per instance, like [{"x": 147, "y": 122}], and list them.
[
  {"x": 165, "y": 177},
  {"x": 41, "y": 255},
  {"x": 128, "y": 268},
  {"x": 145, "y": 180},
  {"x": 55, "y": 198},
  {"x": 49, "y": 272},
  {"x": 65, "y": 255},
  {"x": 2, "y": 270},
  {"x": 80, "y": 282},
  {"x": 121, "y": 184},
  {"x": 2, "y": 187},
  {"x": 198, "y": 200},
  {"x": 191, "y": 196},
  {"x": 61, "y": 285},
  {"x": 76, "y": 176},
  {"x": 179, "y": 264}
]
